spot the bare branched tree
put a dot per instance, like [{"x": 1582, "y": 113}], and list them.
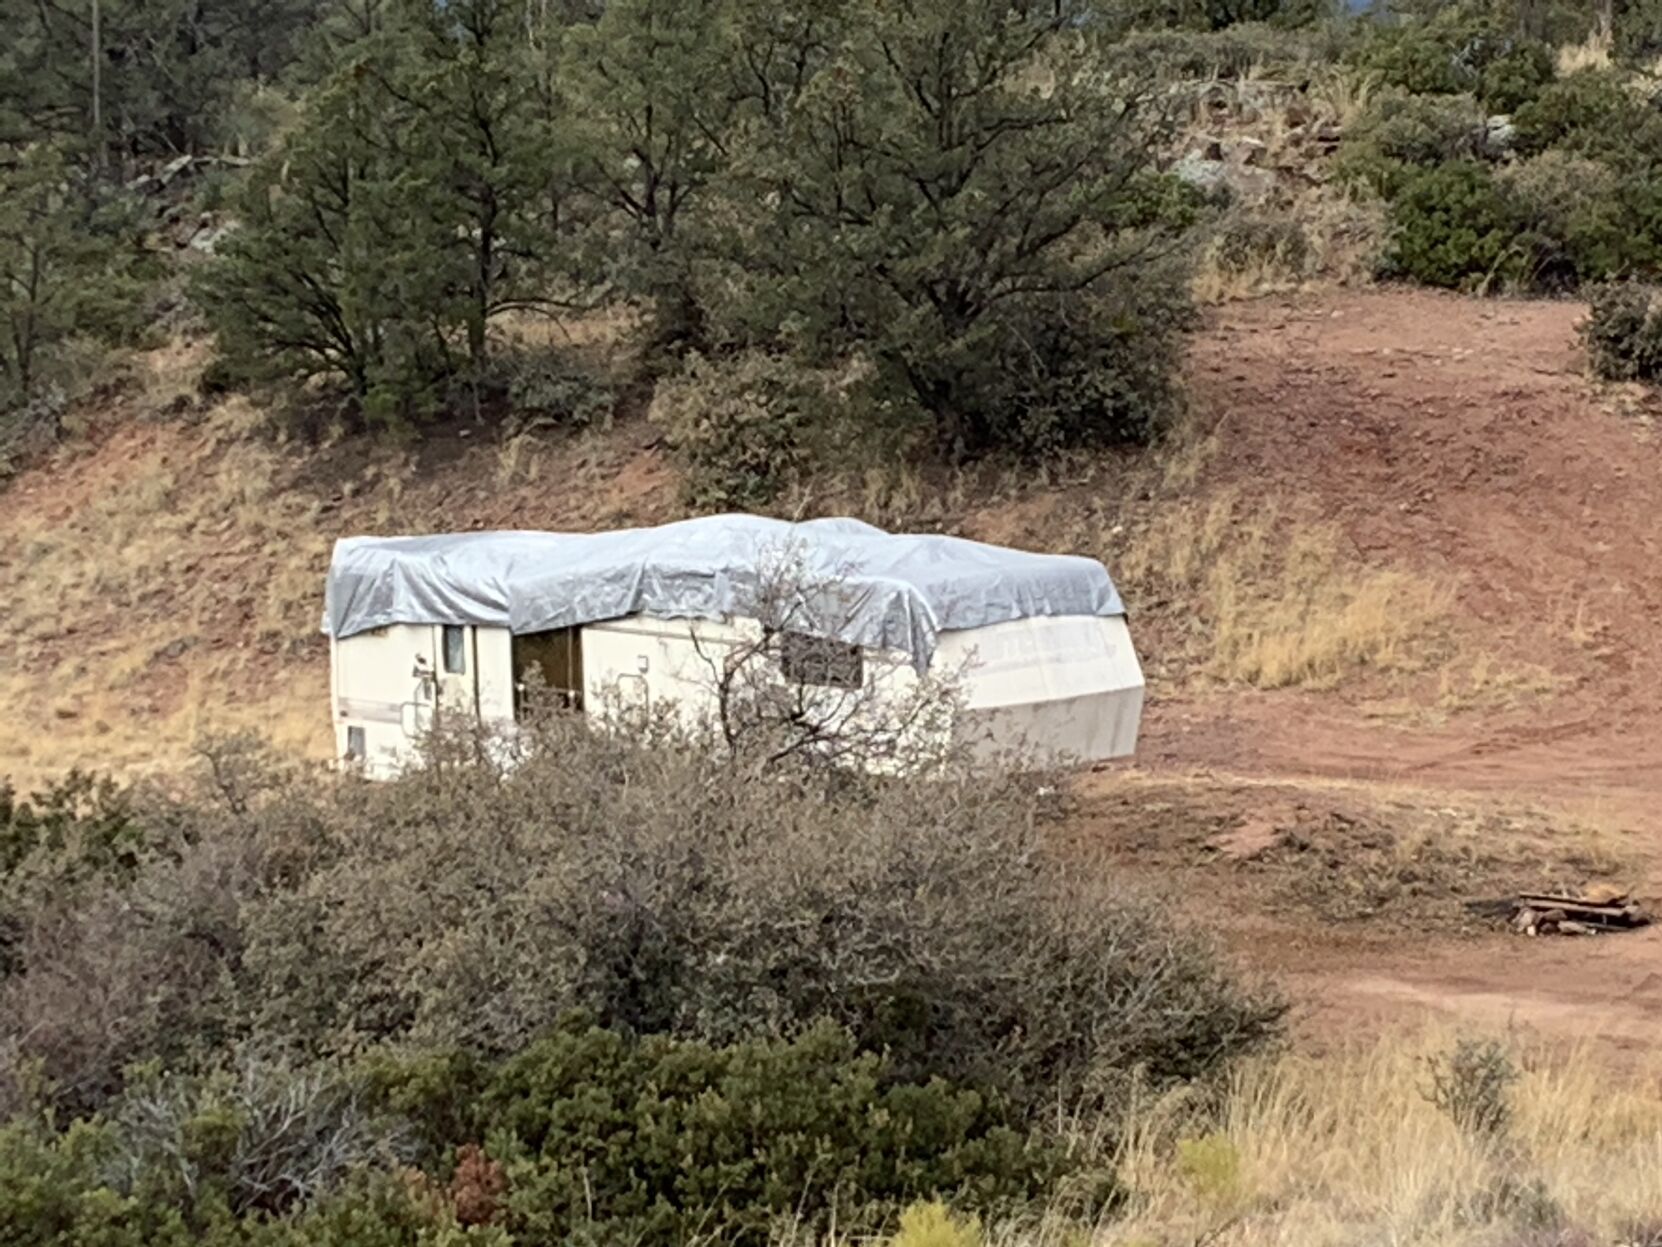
[{"x": 792, "y": 688}]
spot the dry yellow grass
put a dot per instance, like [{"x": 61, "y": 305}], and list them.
[
  {"x": 1486, "y": 683},
  {"x": 1593, "y": 52},
  {"x": 1346, "y": 1148},
  {"x": 520, "y": 459},
  {"x": 1342, "y": 94},
  {"x": 607, "y": 339},
  {"x": 1346, "y": 232},
  {"x": 122, "y": 593},
  {"x": 1276, "y": 604},
  {"x": 1342, "y": 234},
  {"x": 1600, "y": 833},
  {"x": 1218, "y": 282}
]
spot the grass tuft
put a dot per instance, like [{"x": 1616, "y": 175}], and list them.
[
  {"x": 1274, "y": 603},
  {"x": 1345, "y": 1147}
]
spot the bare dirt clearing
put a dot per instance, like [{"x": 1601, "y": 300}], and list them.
[
  {"x": 1330, "y": 811},
  {"x": 1356, "y": 896},
  {"x": 1462, "y": 440}
]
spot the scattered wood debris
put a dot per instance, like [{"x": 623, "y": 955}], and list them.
[{"x": 1594, "y": 911}]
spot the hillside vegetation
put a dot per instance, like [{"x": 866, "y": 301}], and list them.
[
  {"x": 829, "y": 237},
  {"x": 652, "y": 990}
]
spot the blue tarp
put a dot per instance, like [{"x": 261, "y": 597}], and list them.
[{"x": 845, "y": 579}]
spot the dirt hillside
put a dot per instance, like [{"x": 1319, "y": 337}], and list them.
[
  {"x": 1463, "y": 440},
  {"x": 1395, "y": 586}
]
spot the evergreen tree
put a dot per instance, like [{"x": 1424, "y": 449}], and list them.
[
  {"x": 67, "y": 266},
  {"x": 650, "y": 92},
  {"x": 416, "y": 202},
  {"x": 962, "y": 191},
  {"x": 330, "y": 275},
  {"x": 474, "y": 142},
  {"x": 149, "y": 77}
]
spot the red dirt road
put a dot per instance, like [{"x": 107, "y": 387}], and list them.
[{"x": 1462, "y": 439}]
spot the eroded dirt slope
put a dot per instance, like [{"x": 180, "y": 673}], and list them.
[{"x": 1462, "y": 439}]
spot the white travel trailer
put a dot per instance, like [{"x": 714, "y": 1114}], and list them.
[{"x": 1035, "y": 644}]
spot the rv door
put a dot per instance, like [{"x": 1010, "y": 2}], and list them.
[{"x": 456, "y": 664}]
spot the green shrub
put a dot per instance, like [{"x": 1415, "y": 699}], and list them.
[
  {"x": 53, "y": 1193},
  {"x": 375, "y": 1211},
  {"x": 434, "y": 1091},
  {"x": 930, "y": 918},
  {"x": 664, "y": 1140},
  {"x": 739, "y": 426},
  {"x": 1638, "y": 32},
  {"x": 593, "y": 1136},
  {"x": 1568, "y": 212},
  {"x": 1472, "y": 1083},
  {"x": 1420, "y": 56},
  {"x": 544, "y": 389},
  {"x": 1623, "y": 332},
  {"x": 1453, "y": 226},
  {"x": 1515, "y": 77},
  {"x": 646, "y": 880},
  {"x": 1219, "y": 15},
  {"x": 1409, "y": 56},
  {"x": 1573, "y": 223},
  {"x": 1458, "y": 49},
  {"x": 1594, "y": 113},
  {"x": 163, "y": 941},
  {"x": 1638, "y": 206},
  {"x": 82, "y": 820},
  {"x": 78, "y": 829},
  {"x": 1400, "y": 133},
  {"x": 1090, "y": 369},
  {"x": 1188, "y": 56}
]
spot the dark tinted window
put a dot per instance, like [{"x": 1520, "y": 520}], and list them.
[
  {"x": 551, "y": 660},
  {"x": 820, "y": 660}
]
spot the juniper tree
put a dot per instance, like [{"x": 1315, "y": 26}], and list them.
[
  {"x": 474, "y": 140},
  {"x": 328, "y": 276},
  {"x": 416, "y": 201},
  {"x": 964, "y": 191},
  {"x": 160, "y": 77},
  {"x": 648, "y": 91},
  {"x": 68, "y": 266}
]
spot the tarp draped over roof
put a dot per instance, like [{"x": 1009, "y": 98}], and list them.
[{"x": 849, "y": 580}]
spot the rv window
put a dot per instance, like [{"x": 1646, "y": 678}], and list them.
[
  {"x": 551, "y": 660},
  {"x": 455, "y": 650},
  {"x": 355, "y": 744},
  {"x": 809, "y": 659}
]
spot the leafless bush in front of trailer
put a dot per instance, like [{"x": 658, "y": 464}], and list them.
[{"x": 792, "y": 692}]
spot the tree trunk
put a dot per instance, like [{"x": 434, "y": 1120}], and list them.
[
  {"x": 97, "y": 89},
  {"x": 484, "y": 260}
]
